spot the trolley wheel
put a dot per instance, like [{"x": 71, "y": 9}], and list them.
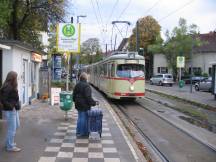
[
  {"x": 160, "y": 83},
  {"x": 196, "y": 88},
  {"x": 151, "y": 83}
]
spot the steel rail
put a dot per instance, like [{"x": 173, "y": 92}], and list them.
[{"x": 152, "y": 145}]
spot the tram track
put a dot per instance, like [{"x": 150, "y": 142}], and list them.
[
  {"x": 151, "y": 144},
  {"x": 166, "y": 156}
]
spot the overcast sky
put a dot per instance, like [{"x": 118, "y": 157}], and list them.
[{"x": 166, "y": 12}]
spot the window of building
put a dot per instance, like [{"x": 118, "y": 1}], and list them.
[
  {"x": 210, "y": 71},
  {"x": 162, "y": 70}
]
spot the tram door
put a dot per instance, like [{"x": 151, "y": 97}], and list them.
[
  {"x": 25, "y": 82},
  {"x": 111, "y": 86}
]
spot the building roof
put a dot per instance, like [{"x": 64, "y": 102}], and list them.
[
  {"x": 209, "y": 40},
  {"x": 122, "y": 44},
  {"x": 20, "y": 44},
  {"x": 2, "y": 46}
]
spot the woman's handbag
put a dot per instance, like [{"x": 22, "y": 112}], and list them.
[{"x": 18, "y": 105}]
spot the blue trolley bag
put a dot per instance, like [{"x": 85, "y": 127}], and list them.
[{"x": 95, "y": 116}]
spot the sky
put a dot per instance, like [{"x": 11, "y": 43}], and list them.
[{"x": 100, "y": 14}]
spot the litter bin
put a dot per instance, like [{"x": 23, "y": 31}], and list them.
[
  {"x": 66, "y": 100},
  {"x": 181, "y": 83}
]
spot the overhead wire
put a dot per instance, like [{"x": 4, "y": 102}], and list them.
[
  {"x": 112, "y": 11},
  {"x": 178, "y": 9},
  {"x": 124, "y": 9},
  {"x": 95, "y": 13},
  {"x": 99, "y": 12},
  {"x": 154, "y": 5}
]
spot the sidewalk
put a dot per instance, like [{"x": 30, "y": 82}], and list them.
[
  {"x": 46, "y": 137},
  {"x": 196, "y": 97}
]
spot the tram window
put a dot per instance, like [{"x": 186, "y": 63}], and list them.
[
  {"x": 105, "y": 69},
  {"x": 109, "y": 70},
  {"x": 130, "y": 70},
  {"x": 101, "y": 70},
  {"x": 113, "y": 70}
]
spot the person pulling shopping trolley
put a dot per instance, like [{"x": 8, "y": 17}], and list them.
[{"x": 82, "y": 97}]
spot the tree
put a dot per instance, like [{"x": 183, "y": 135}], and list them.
[
  {"x": 149, "y": 30},
  {"x": 91, "y": 51},
  {"x": 23, "y": 19},
  {"x": 179, "y": 42}
]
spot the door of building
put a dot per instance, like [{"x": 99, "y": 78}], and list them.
[
  {"x": 0, "y": 77},
  {"x": 25, "y": 82},
  {"x": 1, "y": 68}
]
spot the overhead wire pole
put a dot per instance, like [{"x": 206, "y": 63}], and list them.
[{"x": 137, "y": 36}]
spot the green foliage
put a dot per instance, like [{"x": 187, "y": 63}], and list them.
[
  {"x": 90, "y": 51},
  {"x": 24, "y": 19},
  {"x": 157, "y": 47},
  {"x": 205, "y": 75},
  {"x": 180, "y": 42},
  {"x": 149, "y": 31},
  {"x": 62, "y": 85}
]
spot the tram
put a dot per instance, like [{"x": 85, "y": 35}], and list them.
[{"x": 119, "y": 76}]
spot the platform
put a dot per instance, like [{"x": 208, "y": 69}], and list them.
[{"x": 61, "y": 143}]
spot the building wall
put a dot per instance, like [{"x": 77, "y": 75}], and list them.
[
  {"x": 159, "y": 60},
  {"x": 204, "y": 61},
  {"x": 14, "y": 60}
]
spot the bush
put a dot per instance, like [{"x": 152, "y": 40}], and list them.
[
  {"x": 205, "y": 75},
  {"x": 62, "y": 85}
]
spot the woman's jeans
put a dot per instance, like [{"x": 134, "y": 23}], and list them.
[
  {"x": 82, "y": 123},
  {"x": 13, "y": 122}
]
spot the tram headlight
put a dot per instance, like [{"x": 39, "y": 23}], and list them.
[{"x": 131, "y": 88}]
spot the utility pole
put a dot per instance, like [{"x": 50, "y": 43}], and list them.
[
  {"x": 71, "y": 58},
  {"x": 191, "y": 65},
  {"x": 106, "y": 49},
  {"x": 115, "y": 41},
  {"x": 137, "y": 36},
  {"x": 77, "y": 55}
]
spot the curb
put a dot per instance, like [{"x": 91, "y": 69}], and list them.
[{"x": 208, "y": 107}]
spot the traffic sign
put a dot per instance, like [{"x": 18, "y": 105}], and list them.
[
  {"x": 68, "y": 37},
  {"x": 180, "y": 61}
]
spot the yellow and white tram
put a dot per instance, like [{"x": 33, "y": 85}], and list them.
[{"x": 120, "y": 75}]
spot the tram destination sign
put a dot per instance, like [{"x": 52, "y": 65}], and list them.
[{"x": 68, "y": 37}]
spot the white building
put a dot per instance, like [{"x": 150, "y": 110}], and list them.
[
  {"x": 22, "y": 59},
  {"x": 202, "y": 58}
]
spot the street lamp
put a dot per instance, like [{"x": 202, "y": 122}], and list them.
[
  {"x": 77, "y": 56},
  {"x": 79, "y": 17}
]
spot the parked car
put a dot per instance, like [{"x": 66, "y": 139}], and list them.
[
  {"x": 162, "y": 79},
  {"x": 195, "y": 79},
  {"x": 204, "y": 85}
]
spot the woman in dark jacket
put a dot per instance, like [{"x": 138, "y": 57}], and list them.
[
  {"x": 83, "y": 102},
  {"x": 10, "y": 101}
]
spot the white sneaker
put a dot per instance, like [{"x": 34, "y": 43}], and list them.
[{"x": 14, "y": 149}]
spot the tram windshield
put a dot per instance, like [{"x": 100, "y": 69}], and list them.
[{"x": 130, "y": 70}]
